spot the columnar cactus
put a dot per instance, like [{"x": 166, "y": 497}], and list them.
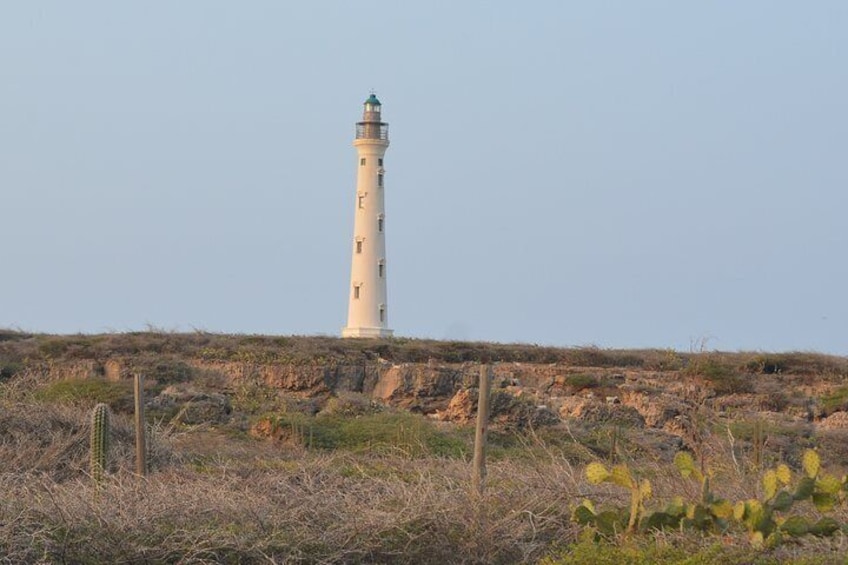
[{"x": 99, "y": 440}]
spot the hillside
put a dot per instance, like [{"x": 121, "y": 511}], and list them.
[{"x": 290, "y": 436}]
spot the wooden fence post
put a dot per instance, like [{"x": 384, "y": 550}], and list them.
[
  {"x": 140, "y": 443},
  {"x": 479, "y": 472}
]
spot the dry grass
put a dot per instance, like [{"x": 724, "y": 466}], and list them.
[
  {"x": 233, "y": 499},
  {"x": 331, "y": 509},
  {"x": 236, "y": 500}
]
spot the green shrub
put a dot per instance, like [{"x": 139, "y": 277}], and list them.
[
  {"x": 118, "y": 395},
  {"x": 580, "y": 381},
  {"x": 597, "y": 357},
  {"x": 722, "y": 376},
  {"x": 407, "y": 433},
  {"x": 663, "y": 360},
  {"x": 69, "y": 347},
  {"x": 253, "y": 396},
  {"x": 797, "y": 363},
  {"x": 8, "y": 369},
  {"x": 647, "y": 552},
  {"x": 766, "y": 365},
  {"x": 167, "y": 371},
  {"x": 53, "y": 347},
  {"x": 12, "y": 335},
  {"x": 835, "y": 400}
]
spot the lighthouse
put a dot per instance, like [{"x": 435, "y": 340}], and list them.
[{"x": 368, "y": 314}]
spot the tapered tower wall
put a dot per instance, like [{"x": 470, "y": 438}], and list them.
[{"x": 368, "y": 313}]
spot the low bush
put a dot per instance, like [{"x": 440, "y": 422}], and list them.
[
  {"x": 721, "y": 375},
  {"x": 797, "y": 363},
  {"x": 580, "y": 381},
  {"x": 399, "y": 432},
  {"x": 649, "y": 552},
  {"x": 88, "y": 392},
  {"x": 165, "y": 370},
  {"x": 317, "y": 508},
  {"x": 835, "y": 400},
  {"x": 12, "y": 335},
  {"x": 8, "y": 369},
  {"x": 51, "y": 441}
]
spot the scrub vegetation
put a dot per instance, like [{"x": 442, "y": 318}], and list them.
[{"x": 241, "y": 473}]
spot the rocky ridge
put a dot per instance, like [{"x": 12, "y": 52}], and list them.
[{"x": 523, "y": 393}]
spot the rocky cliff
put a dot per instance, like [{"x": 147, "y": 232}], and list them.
[{"x": 653, "y": 389}]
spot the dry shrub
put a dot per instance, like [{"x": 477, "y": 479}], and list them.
[
  {"x": 797, "y": 363},
  {"x": 720, "y": 373},
  {"x": 318, "y": 510},
  {"x": 53, "y": 439},
  {"x": 378, "y": 490},
  {"x": 172, "y": 348},
  {"x": 255, "y": 503}
]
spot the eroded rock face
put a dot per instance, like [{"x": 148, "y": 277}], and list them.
[
  {"x": 191, "y": 406},
  {"x": 655, "y": 410},
  {"x": 591, "y": 409},
  {"x": 421, "y": 388},
  {"x": 462, "y": 408},
  {"x": 836, "y": 421},
  {"x": 505, "y": 410},
  {"x": 310, "y": 379},
  {"x": 114, "y": 370},
  {"x": 419, "y": 381},
  {"x": 653, "y": 400}
]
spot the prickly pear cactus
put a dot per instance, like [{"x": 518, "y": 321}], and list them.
[
  {"x": 768, "y": 520},
  {"x": 597, "y": 473},
  {"x": 99, "y": 449}
]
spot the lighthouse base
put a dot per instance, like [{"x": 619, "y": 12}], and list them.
[{"x": 367, "y": 332}]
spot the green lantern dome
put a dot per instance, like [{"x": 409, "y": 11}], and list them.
[{"x": 373, "y": 100}]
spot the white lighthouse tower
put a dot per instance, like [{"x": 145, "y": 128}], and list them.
[{"x": 368, "y": 314}]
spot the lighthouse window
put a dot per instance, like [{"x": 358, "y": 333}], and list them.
[
  {"x": 380, "y": 179},
  {"x": 361, "y": 201},
  {"x": 379, "y": 224},
  {"x": 356, "y": 292},
  {"x": 379, "y": 162},
  {"x": 380, "y": 269},
  {"x": 359, "y": 246},
  {"x": 382, "y": 313},
  {"x": 362, "y": 162}
]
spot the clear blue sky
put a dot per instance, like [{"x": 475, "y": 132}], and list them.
[{"x": 623, "y": 174}]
